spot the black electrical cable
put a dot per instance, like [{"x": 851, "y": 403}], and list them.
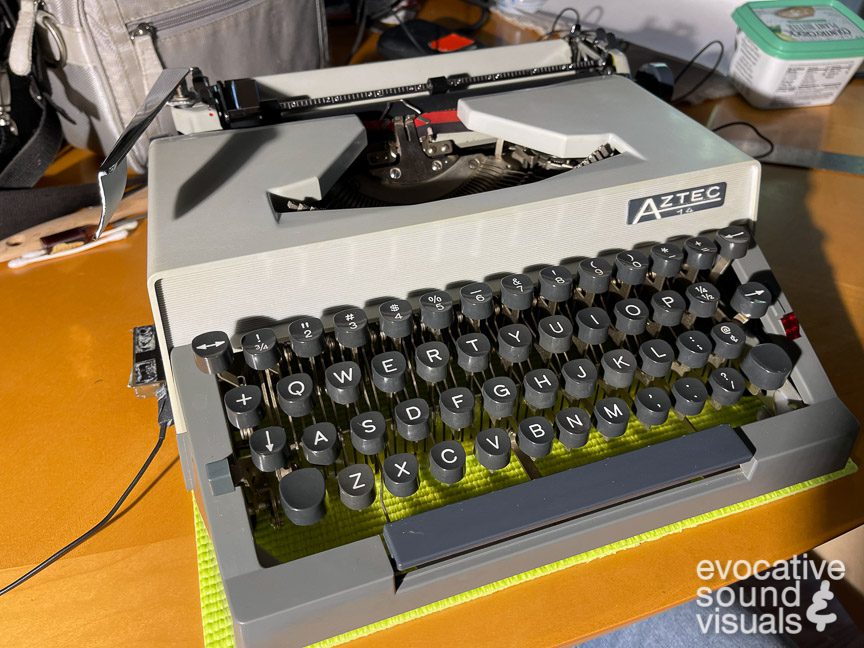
[
  {"x": 407, "y": 31},
  {"x": 707, "y": 76},
  {"x": 758, "y": 133},
  {"x": 482, "y": 20},
  {"x": 558, "y": 18},
  {"x": 165, "y": 418}
]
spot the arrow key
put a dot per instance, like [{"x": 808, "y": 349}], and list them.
[
  {"x": 213, "y": 352},
  {"x": 751, "y": 300},
  {"x": 267, "y": 448}
]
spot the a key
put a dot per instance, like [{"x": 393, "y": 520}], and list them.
[
  {"x": 395, "y": 318},
  {"x": 690, "y": 396},
  {"x": 514, "y": 343},
  {"x": 619, "y": 367},
  {"x": 611, "y": 416},
  {"x": 356, "y": 486},
  {"x": 320, "y": 443},
  {"x": 476, "y": 301},
  {"x": 631, "y": 267},
  {"x": 213, "y": 352},
  {"x": 580, "y": 378},
  {"x": 343, "y": 382},
  {"x": 294, "y": 394},
  {"x": 594, "y": 275},
  {"x": 734, "y": 241},
  {"x": 517, "y": 292},
  {"x": 303, "y": 494},
  {"x": 456, "y": 407},
  {"x": 666, "y": 259},
  {"x": 535, "y": 436},
  {"x": 656, "y": 357},
  {"x": 694, "y": 347},
  {"x": 260, "y": 350},
  {"x": 555, "y": 333},
  {"x": 401, "y": 474},
  {"x": 492, "y": 449},
  {"x": 368, "y": 433},
  {"x": 472, "y": 352},
  {"x": 592, "y": 325},
  {"x": 631, "y": 315},
  {"x": 499, "y": 397},
  {"x": 412, "y": 419},
  {"x": 556, "y": 284},
  {"x": 751, "y": 300},
  {"x": 243, "y": 406},
  {"x": 307, "y": 336},
  {"x": 388, "y": 371},
  {"x": 667, "y": 308},
  {"x": 573, "y": 425},
  {"x": 728, "y": 340},
  {"x": 430, "y": 361},
  {"x": 767, "y": 366},
  {"x": 540, "y": 388},
  {"x": 267, "y": 448},
  {"x": 447, "y": 462},
  {"x": 436, "y": 310},
  {"x": 701, "y": 252},
  {"x": 652, "y": 406},
  {"x": 351, "y": 327},
  {"x": 727, "y": 386},
  {"x": 703, "y": 298}
]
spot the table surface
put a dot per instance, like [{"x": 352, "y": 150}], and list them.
[{"x": 75, "y": 435}]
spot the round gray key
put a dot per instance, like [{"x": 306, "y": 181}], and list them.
[
  {"x": 492, "y": 449},
  {"x": 412, "y": 419},
  {"x": 294, "y": 394},
  {"x": 401, "y": 474},
  {"x": 259, "y": 349},
  {"x": 356, "y": 486},
  {"x": 690, "y": 396},
  {"x": 243, "y": 406},
  {"x": 701, "y": 252},
  {"x": 456, "y": 407},
  {"x": 535, "y": 436},
  {"x": 580, "y": 377},
  {"x": 447, "y": 462},
  {"x": 430, "y": 361},
  {"x": 666, "y": 259},
  {"x": 767, "y": 366},
  {"x": 734, "y": 241},
  {"x": 395, "y": 318},
  {"x": 368, "y": 433},
  {"x": 631, "y": 315},
  {"x": 514, "y": 343},
  {"x": 476, "y": 301},
  {"x": 751, "y": 299},
  {"x": 728, "y": 340},
  {"x": 652, "y": 406},
  {"x": 306, "y": 335},
  {"x": 667, "y": 308},
  {"x": 631, "y": 267},
  {"x": 517, "y": 292},
  {"x": 388, "y": 371},
  {"x": 592, "y": 325},
  {"x": 472, "y": 352},
  {"x": 656, "y": 357},
  {"x": 694, "y": 347},
  {"x": 556, "y": 284},
  {"x": 619, "y": 367},
  {"x": 267, "y": 448},
  {"x": 594, "y": 275},
  {"x": 555, "y": 333},
  {"x": 213, "y": 352},
  {"x": 320, "y": 443},
  {"x": 343, "y": 382},
  {"x": 540, "y": 388},
  {"x": 703, "y": 299},
  {"x": 573, "y": 425},
  {"x": 611, "y": 416},
  {"x": 436, "y": 310},
  {"x": 727, "y": 386},
  {"x": 351, "y": 327},
  {"x": 499, "y": 397},
  {"x": 303, "y": 493}
]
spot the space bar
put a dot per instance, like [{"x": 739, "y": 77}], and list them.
[{"x": 492, "y": 517}]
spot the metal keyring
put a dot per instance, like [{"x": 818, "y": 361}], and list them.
[{"x": 49, "y": 24}]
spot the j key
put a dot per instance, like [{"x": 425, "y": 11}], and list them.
[
  {"x": 667, "y": 308},
  {"x": 267, "y": 448},
  {"x": 594, "y": 275},
  {"x": 728, "y": 340},
  {"x": 388, "y": 371},
  {"x": 656, "y": 357},
  {"x": 701, "y": 252},
  {"x": 492, "y": 449},
  {"x": 652, "y": 406},
  {"x": 556, "y": 284},
  {"x": 514, "y": 343},
  {"x": 733, "y": 241},
  {"x": 430, "y": 361},
  {"x": 690, "y": 396},
  {"x": 611, "y": 416},
  {"x": 243, "y": 406},
  {"x": 767, "y": 366},
  {"x": 580, "y": 378},
  {"x": 499, "y": 397},
  {"x": 540, "y": 388},
  {"x": 447, "y": 462},
  {"x": 401, "y": 474},
  {"x": 213, "y": 352},
  {"x": 456, "y": 407},
  {"x": 573, "y": 425},
  {"x": 517, "y": 292},
  {"x": 592, "y": 325},
  {"x": 394, "y": 318},
  {"x": 703, "y": 298},
  {"x": 751, "y": 300},
  {"x": 619, "y": 367},
  {"x": 294, "y": 394},
  {"x": 412, "y": 419},
  {"x": 303, "y": 494},
  {"x": 535, "y": 436},
  {"x": 666, "y": 259},
  {"x": 351, "y": 327},
  {"x": 368, "y": 433},
  {"x": 476, "y": 300},
  {"x": 307, "y": 336},
  {"x": 631, "y": 315},
  {"x": 727, "y": 386},
  {"x": 356, "y": 486},
  {"x": 343, "y": 382},
  {"x": 259, "y": 349},
  {"x": 694, "y": 347},
  {"x": 472, "y": 352},
  {"x": 631, "y": 267},
  {"x": 436, "y": 310},
  {"x": 320, "y": 443},
  {"x": 555, "y": 333}
]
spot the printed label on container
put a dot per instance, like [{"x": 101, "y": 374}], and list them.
[
  {"x": 808, "y": 24},
  {"x": 675, "y": 203}
]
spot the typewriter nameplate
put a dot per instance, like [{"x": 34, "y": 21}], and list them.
[{"x": 676, "y": 203}]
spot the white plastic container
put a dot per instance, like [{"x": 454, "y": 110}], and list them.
[{"x": 789, "y": 54}]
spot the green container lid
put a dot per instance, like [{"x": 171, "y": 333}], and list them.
[{"x": 790, "y": 29}]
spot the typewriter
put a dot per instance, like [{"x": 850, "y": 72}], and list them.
[{"x": 429, "y": 324}]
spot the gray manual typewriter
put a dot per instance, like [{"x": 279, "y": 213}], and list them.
[{"x": 432, "y": 323}]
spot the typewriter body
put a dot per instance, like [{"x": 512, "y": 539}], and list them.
[{"x": 474, "y": 314}]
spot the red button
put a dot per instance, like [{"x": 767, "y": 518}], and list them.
[{"x": 790, "y": 326}]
